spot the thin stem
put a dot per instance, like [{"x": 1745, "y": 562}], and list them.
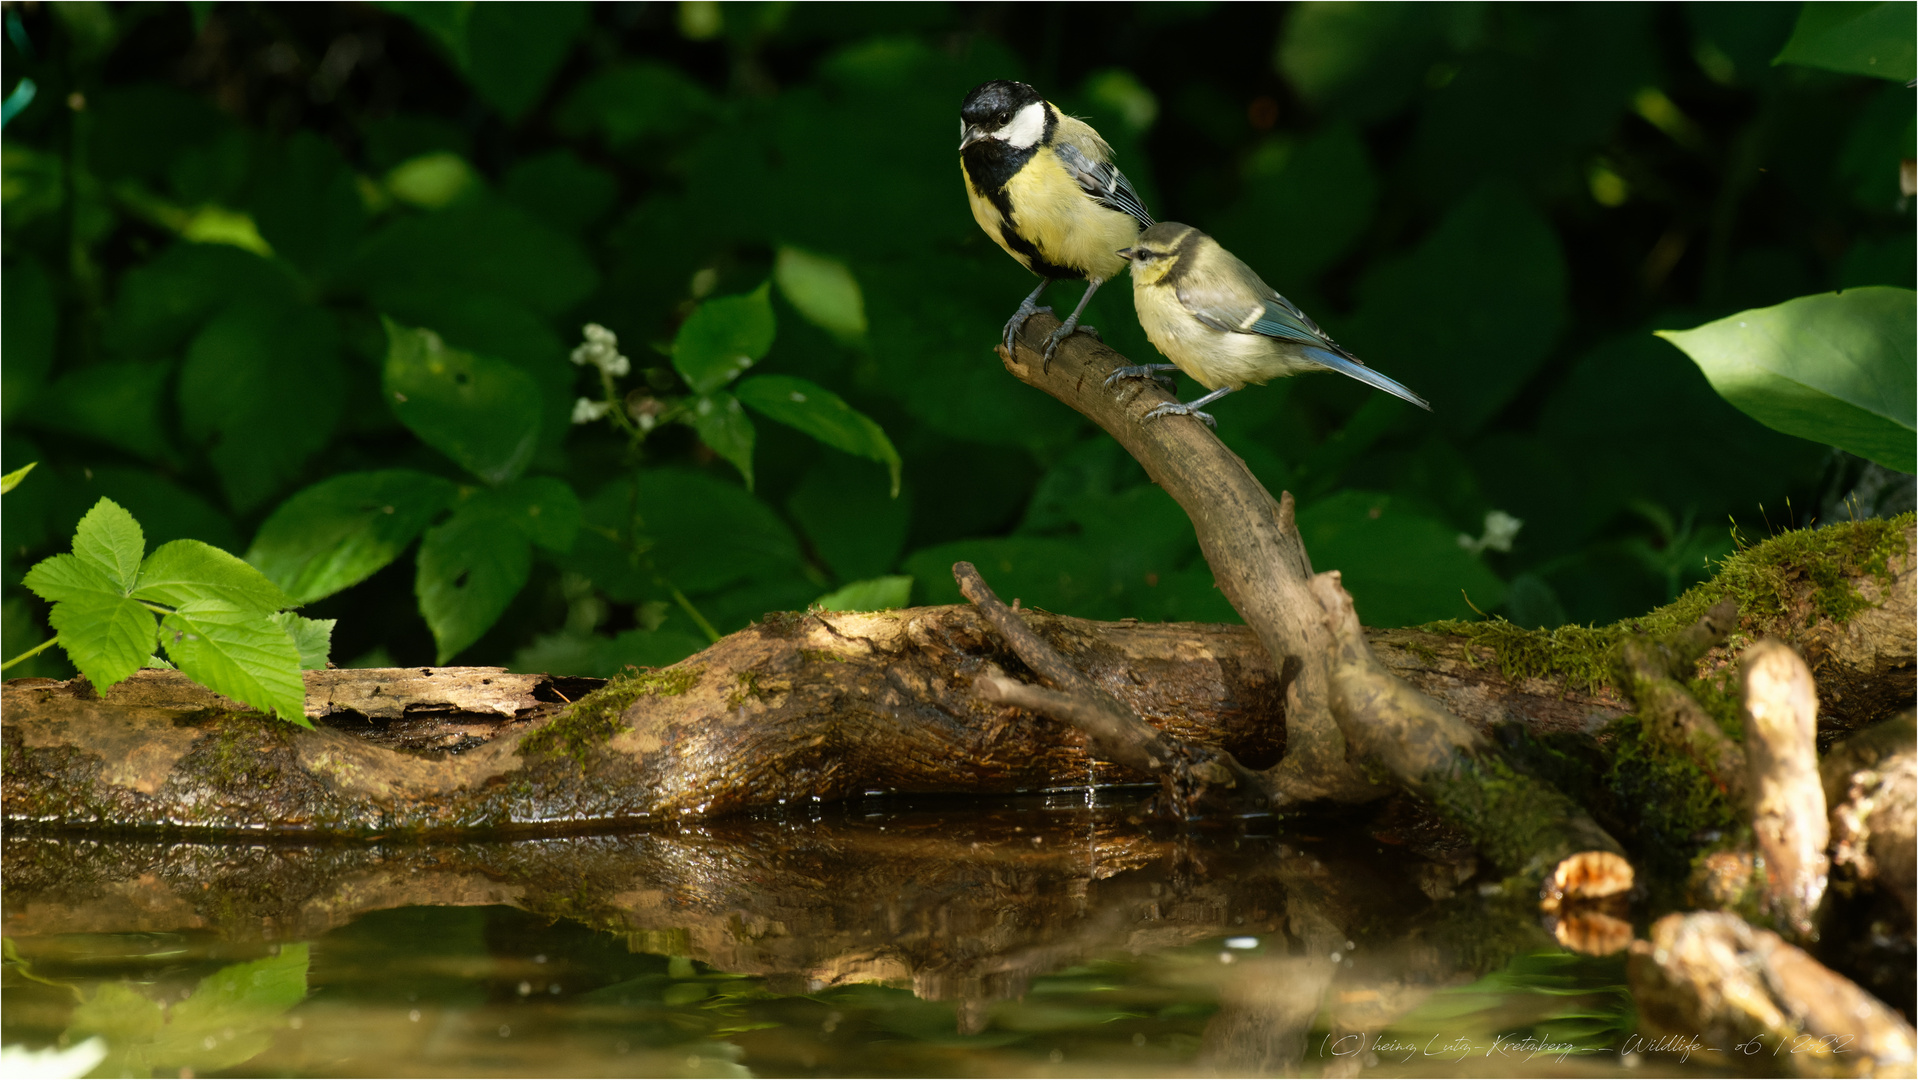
[
  {"x": 35, "y": 651},
  {"x": 687, "y": 606}
]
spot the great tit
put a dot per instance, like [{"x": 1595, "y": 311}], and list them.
[
  {"x": 1043, "y": 186},
  {"x": 1222, "y": 325}
]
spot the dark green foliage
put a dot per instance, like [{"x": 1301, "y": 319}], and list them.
[{"x": 265, "y": 280}]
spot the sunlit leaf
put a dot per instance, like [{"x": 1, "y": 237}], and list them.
[
  {"x": 312, "y": 637},
  {"x": 12, "y": 479},
  {"x": 238, "y": 652},
  {"x": 187, "y": 570},
  {"x": 106, "y": 634},
  {"x": 342, "y": 530},
  {"x": 873, "y": 594},
  {"x": 1838, "y": 368},
  {"x": 431, "y": 180},
  {"x": 823, "y": 290},
  {"x": 108, "y": 538},
  {"x": 724, "y": 337},
  {"x": 481, "y": 412},
  {"x": 824, "y": 415}
]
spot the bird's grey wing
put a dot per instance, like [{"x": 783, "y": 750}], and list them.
[
  {"x": 1235, "y": 312},
  {"x": 1103, "y": 182}
]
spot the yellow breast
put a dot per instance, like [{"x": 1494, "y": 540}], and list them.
[{"x": 1067, "y": 226}]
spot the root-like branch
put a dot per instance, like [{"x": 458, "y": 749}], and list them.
[{"x": 1788, "y": 801}]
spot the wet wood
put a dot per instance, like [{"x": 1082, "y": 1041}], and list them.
[
  {"x": 1753, "y": 1001},
  {"x": 1871, "y": 783}
]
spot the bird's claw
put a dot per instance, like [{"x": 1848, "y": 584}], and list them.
[
  {"x": 1155, "y": 372},
  {"x": 1060, "y": 335},
  {"x": 1173, "y": 408},
  {"x": 1018, "y": 322}
]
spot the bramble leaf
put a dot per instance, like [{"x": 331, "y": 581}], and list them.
[
  {"x": 725, "y": 427},
  {"x": 481, "y": 412},
  {"x": 342, "y": 530},
  {"x": 238, "y": 652},
  {"x": 187, "y": 570},
  {"x": 727, "y": 335},
  {"x": 110, "y": 539},
  {"x": 312, "y": 637},
  {"x": 822, "y": 414}
]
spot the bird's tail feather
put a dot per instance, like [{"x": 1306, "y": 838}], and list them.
[{"x": 1366, "y": 375}]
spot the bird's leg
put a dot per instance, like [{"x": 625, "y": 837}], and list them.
[
  {"x": 1072, "y": 321},
  {"x": 1191, "y": 408},
  {"x": 1027, "y": 309},
  {"x": 1141, "y": 371}
]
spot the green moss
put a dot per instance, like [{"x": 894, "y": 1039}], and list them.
[
  {"x": 1517, "y": 821},
  {"x": 747, "y": 689},
  {"x": 594, "y": 719},
  {"x": 1761, "y": 578},
  {"x": 1668, "y": 805}
]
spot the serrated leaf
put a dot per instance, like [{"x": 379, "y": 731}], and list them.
[
  {"x": 481, "y": 412},
  {"x": 107, "y": 636},
  {"x": 1837, "y": 368},
  {"x": 724, "y": 426},
  {"x": 188, "y": 570},
  {"x": 469, "y": 571},
  {"x": 238, "y": 652},
  {"x": 12, "y": 479},
  {"x": 873, "y": 594},
  {"x": 312, "y": 637},
  {"x": 705, "y": 533},
  {"x": 342, "y": 530},
  {"x": 823, "y": 290},
  {"x": 67, "y": 577},
  {"x": 110, "y": 539},
  {"x": 822, "y": 414},
  {"x": 727, "y": 335}
]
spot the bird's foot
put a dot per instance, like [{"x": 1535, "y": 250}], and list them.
[
  {"x": 1143, "y": 371},
  {"x": 1018, "y": 321},
  {"x": 1173, "y": 408},
  {"x": 1066, "y": 330}
]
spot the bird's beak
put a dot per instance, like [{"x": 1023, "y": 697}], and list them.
[
  {"x": 1126, "y": 254},
  {"x": 973, "y": 134}
]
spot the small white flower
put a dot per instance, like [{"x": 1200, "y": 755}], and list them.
[
  {"x": 602, "y": 351},
  {"x": 586, "y": 410},
  {"x": 1501, "y": 529}
]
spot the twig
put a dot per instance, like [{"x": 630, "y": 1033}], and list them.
[{"x": 1191, "y": 773}]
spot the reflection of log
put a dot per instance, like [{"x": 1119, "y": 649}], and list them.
[{"x": 1762, "y": 1003}]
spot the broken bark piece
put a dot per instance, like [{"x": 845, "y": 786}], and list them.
[
  {"x": 1191, "y": 774},
  {"x": 1871, "y": 781},
  {"x": 1788, "y": 800},
  {"x": 393, "y": 693},
  {"x": 1757, "y": 1002},
  {"x": 1524, "y": 825},
  {"x": 1653, "y": 674}
]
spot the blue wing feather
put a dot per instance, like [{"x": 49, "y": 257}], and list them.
[{"x": 1346, "y": 366}]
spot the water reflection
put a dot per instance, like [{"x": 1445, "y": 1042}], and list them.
[{"x": 1040, "y": 936}]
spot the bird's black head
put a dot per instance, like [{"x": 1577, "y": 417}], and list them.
[{"x": 993, "y": 105}]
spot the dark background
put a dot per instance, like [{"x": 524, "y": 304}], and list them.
[{"x": 1493, "y": 204}]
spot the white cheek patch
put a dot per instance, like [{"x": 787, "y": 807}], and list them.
[{"x": 1027, "y": 127}]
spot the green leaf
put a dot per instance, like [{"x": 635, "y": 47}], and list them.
[
  {"x": 187, "y": 570},
  {"x": 312, "y": 637},
  {"x": 823, "y": 290},
  {"x": 842, "y": 507},
  {"x": 723, "y": 338},
  {"x": 822, "y": 414},
  {"x": 1856, "y": 38},
  {"x": 724, "y": 426},
  {"x": 26, "y": 337},
  {"x": 109, "y": 538},
  {"x": 431, "y": 181},
  {"x": 560, "y": 189},
  {"x": 873, "y": 594},
  {"x": 1837, "y": 368},
  {"x": 1332, "y": 174},
  {"x": 469, "y": 571},
  {"x": 481, "y": 412},
  {"x": 446, "y": 22},
  {"x": 707, "y": 533},
  {"x": 1401, "y": 567},
  {"x": 262, "y": 387},
  {"x": 228, "y": 1019},
  {"x": 545, "y": 509},
  {"x": 238, "y": 652},
  {"x": 342, "y": 530},
  {"x": 624, "y": 102},
  {"x": 118, "y": 404},
  {"x": 162, "y": 303},
  {"x": 483, "y": 246},
  {"x": 307, "y": 204},
  {"x": 12, "y": 479},
  {"x": 108, "y": 636},
  {"x": 514, "y": 49}
]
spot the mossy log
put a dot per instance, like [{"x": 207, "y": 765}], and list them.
[{"x": 820, "y": 706}]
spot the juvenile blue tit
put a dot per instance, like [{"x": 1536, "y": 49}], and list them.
[
  {"x": 1043, "y": 186},
  {"x": 1219, "y": 323}
]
